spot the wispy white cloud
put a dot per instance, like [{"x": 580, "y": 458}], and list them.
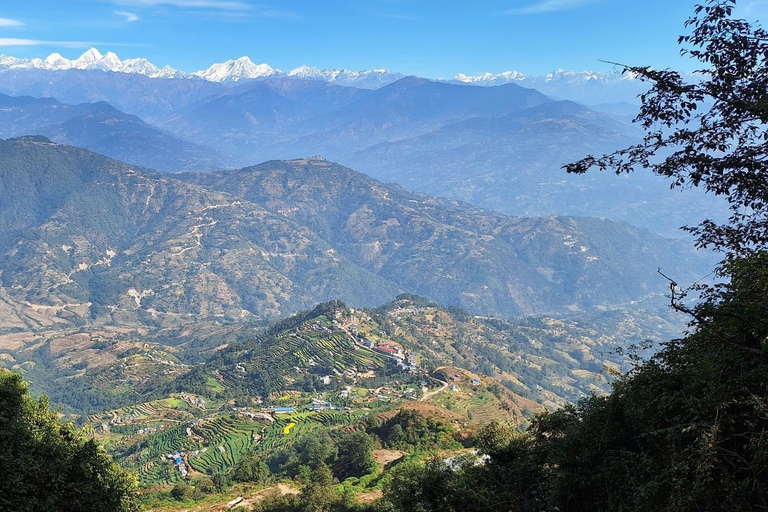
[
  {"x": 229, "y": 9},
  {"x": 545, "y": 6},
  {"x": 7, "y": 22},
  {"x": 224, "y": 5},
  {"x": 129, "y": 16},
  {"x": 12, "y": 41}
]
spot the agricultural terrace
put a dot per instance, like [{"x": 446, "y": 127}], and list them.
[
  {"x": 217, "y": 444},
  {"x": 275, "y": 362}
]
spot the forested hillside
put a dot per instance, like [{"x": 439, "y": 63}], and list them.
[{"x": 87, "y": 239}]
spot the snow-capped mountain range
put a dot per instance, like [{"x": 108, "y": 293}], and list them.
[
  {"x": 245, "y": 69},
  {"x": 559, "y": 75},
  {"x": 229, "y": 71},
  {"x": 92, "y": 59}
]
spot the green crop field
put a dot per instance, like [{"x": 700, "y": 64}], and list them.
[
  {"x": 277, "y": 357},
  {"x": 226, "y": 439}
]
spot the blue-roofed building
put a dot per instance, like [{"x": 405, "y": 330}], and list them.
[{"x": 283, "y": 410}]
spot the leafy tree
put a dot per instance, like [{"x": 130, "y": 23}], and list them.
[
  {"x": 355, "y": 457},
  {"x": 181, "y": 491},
  {"x": 221, "y": 481},
  {"x": 49, "y": 465},
  {"x": 252, "y": 469},
  {"x": 416, "y": 487},
  {"x": 320, "y": 493},
  {"x": 410, "y": 430},
  {"x": 205, "y": 486},
  {"x": 310, "y": 450},
  {"x": 709, "y": 132}
]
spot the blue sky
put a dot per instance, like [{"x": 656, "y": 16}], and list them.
[{"x": 434, "y": 38}]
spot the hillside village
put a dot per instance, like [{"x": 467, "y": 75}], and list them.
[{"x": 186, "y": 434}]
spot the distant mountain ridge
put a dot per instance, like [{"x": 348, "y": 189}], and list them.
[
  {"x": 243, "y": 68},
  {"x": 102, "y": 128}
]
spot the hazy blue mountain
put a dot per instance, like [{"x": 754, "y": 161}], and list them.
[
  {"x": 623, "y": 109},
  {"x": 270, "y": 120},
  {"x": 152, "y": 99},
  {"x": 276, "y": 108},
  {"x": 497, "y": 147},
  {"x": 588, "y": 87},
  {"x": 104, "y": 129},
  {"x": 513, "y": 164}
]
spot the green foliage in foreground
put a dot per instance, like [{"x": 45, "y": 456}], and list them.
[
  {"x": 683, "y": 432},
  {"x": 47, "y": 465},
  {"x": 319, "y": 494}
]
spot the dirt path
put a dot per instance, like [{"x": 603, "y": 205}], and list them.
[
  {"x": 384, "y": 457},
  {"x": 251, "y": 499},
  {"x": 430, "y": 394},
  {"x": 280, "y": 489}
]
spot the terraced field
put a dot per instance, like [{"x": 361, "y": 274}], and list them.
[
  {"x": 330, "y": 418},
  {"x": 148, "y": 461},
  {"x": 213, "y": 444},
  {"x": 168, "y": 410},
  {"x": 274, "y": 438},
  {"x": 225, "y": 440},
  {"x": 268, "y": 364}
]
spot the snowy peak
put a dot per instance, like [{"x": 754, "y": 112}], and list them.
[
  {"x": 236, "y": 70},
  {"x": 491, "y": 79},
  {"x": 109, "y": 62},
  {"x": 368, "y": 79},
  {"x": 90, "y": 60},
  {"x": 557, "y": 76},
  {"x": 311, "y": 73},
  {"x": 56, "y": 61},
  {"x": 139, "y": 67},
  {"x": 233, "y": 70}
]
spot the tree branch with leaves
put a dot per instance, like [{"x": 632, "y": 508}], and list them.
[{"x": 708, "y": 130}]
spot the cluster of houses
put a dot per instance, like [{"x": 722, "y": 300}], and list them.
[
  {"x": 406, "y": 360},
  {"x": 178, "y": 461},
  {"x": 318, "y": 327},
  {"x": 256, "y": 416},
  {"x": 321, "y": 405},
  {"x": 410, "y": 310},
  {"x": 151, "y": 430},
  {"x": 194, "y": 401},
  {"x": 280, "y": 410},
  {"x": 457, "y": 377}
]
